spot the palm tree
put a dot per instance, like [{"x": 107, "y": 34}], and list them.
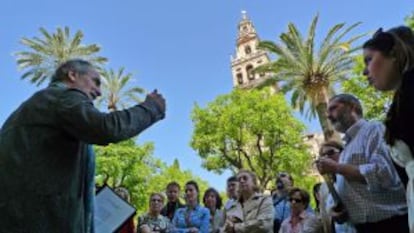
[
  {"x": 113, "y": 94},
  {"x": 311, "y": 75},
  {"x": 45, "y": 54}
]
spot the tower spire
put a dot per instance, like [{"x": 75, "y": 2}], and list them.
[
  {"x": 244, "y": 15},
  {"x": 247, "y": 56}
]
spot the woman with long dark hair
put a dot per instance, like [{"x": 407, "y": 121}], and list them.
[
  {"x": 389, "y": 60},
  {"x": 193, "y": 218}
]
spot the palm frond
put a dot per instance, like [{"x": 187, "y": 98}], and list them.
[{"x": 45, "y": 53}]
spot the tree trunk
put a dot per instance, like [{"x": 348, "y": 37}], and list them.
[{"x": 329, "y": 132}]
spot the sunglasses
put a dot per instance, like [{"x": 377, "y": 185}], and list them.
[
  {"x": 243, "y": 177},
  {"x": 296, "y": 200},
  {"x": 283, "y": 175},
  {"x": 330, "y": 152}
]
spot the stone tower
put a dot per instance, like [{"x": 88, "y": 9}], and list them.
[{"x": 247, "y": 56}]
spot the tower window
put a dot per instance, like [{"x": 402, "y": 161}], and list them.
[
  {"x": 239, "y": 78},
  {"x": 249, "y": 71},
  {"x": 247, "y": 50}
]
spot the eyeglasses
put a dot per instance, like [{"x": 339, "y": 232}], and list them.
[
  {"x": 242, "y": 177},
  {"x": 283, "y": 174},
  {"x": 297, "y": 200},
  {"x": 330, "y": 152},
  {"x": 156, "y": 200}
]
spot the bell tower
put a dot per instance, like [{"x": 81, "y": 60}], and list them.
[{"x": 247, "y": 56}]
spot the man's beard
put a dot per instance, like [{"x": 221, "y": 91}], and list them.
[{"x": 343, "y": 123}]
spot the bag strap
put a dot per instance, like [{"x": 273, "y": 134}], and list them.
[{"x": 260, "y": 205}]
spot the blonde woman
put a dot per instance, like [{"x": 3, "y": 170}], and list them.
[{"x": 153, "y": 221}]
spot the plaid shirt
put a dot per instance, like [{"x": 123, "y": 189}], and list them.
[{"x": 382, "y": 196}]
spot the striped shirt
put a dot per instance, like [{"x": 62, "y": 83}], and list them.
[{"x": 382, "y": 196}]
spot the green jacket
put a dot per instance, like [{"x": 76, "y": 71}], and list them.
[{"x": 43, "y": 147}]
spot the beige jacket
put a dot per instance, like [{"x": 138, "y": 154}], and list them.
[{"x": 254, "y": 216}]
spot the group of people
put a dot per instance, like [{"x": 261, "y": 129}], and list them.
[
  {"x": 247, "y": 210},
  {"x": 47, "y": 165}
]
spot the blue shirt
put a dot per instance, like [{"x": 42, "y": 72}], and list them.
[
  {"x": 382, "y": 194},
  {"x": 185, "y": 218}
]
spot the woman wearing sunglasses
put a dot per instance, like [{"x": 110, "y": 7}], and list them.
[
  {"x": 153, "y": 221},
  {"x": 389, "y": 61},
  {"x": 300, "y": 221}
]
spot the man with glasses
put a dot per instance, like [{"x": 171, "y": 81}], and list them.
[
  {"x": 47, "y": 162},
  {"x": 366, "y": 179},
  {"x": 330, "y": 149}
]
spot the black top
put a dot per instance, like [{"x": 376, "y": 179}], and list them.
[
  {"x": 400, "y": 118},
  {"x": 170, "y": 208}
]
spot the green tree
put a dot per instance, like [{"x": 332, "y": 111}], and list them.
[
  {"x": 175, "y": 173},
  {"x": 311, "y": 73},
  {"x": 252, "y": 129},
  {"x": 115, "y": 92},
  {"x": 46, "y": 53},
  {"x": 409, "y": 20},
  {"x": 375, "y": 103}
]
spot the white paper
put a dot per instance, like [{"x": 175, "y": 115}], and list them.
[{"x": 111, "y": 211}]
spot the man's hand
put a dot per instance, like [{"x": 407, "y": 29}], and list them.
[
  {"x": 339, "y": 216},
  {"x": 155, "y": 96},
  {"x": 327, "y": 165}
]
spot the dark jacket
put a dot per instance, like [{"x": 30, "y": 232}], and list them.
[{"x": 43, "y": 146}]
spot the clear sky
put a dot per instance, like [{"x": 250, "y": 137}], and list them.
[{"x": 180, "y": 47}]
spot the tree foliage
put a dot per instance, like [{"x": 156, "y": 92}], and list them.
[
  {"x": 44, "y": 54},
  {"x": 115, "y": 93},
  {"x": 310, "y": 71},
  {"x": 409, "y": 20},
  {"x": 252, "y": 129},
  {"x": 175, "y": 173}
]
